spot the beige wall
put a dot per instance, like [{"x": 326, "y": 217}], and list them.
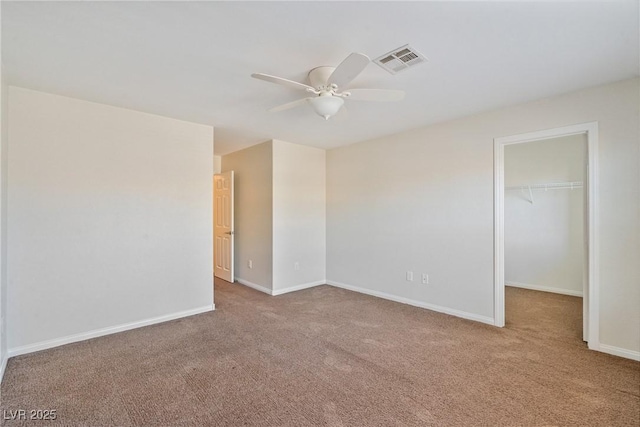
[
  {"x": 110, "y": 218},
  {"x": 279, "y": 215},
  {"x": 253, "y": 175},
  {"x": 544, "y": 240},
  {"x": 422, "y": 200},
  {"x": 299, "y": 215}
]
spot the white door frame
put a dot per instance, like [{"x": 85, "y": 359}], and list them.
[{"x": 592, "y": 297}]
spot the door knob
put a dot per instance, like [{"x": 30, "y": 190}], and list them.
[{"x": 229, "y": 232}]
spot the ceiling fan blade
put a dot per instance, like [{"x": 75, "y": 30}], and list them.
[
  {"x": 288, "y": 105},
  {"x": 281, "y": 81},
  {"x": 349, "y": 69},
  {"x": 384, "y": 95}
]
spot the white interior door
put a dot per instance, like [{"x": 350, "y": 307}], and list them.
[{"x": 223, "y": 226}]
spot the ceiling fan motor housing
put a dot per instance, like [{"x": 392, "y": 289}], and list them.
[{"x": 319, "y": 76}]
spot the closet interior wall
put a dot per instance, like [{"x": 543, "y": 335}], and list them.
[{"x": 545, "y": 214}]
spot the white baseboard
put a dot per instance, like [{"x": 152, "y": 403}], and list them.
[
  {"x": 43, "y": 345},
  {"x": 432, "y": 307},
  {"x": 617, "y": 351},
  {"x": 275, "y": 292},
  {"x": 254, "y": 286},
  {"x": 544, "y": 289},
  {"x": 298, "y": 287},
  {"x": 3, "y": 366}
]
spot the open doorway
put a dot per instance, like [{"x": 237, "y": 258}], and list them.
[
  {"x": 544, "y": 239},
  {"x": 579, "y": 261}
]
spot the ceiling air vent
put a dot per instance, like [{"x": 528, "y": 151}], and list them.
[{"x": 400, "y": 59}]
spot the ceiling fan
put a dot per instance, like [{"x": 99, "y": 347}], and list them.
[{"x": 327, "y": 83}]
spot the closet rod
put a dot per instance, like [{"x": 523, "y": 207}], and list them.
[{"x": 549, "y": 186}]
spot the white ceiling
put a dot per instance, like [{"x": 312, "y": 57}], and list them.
[{"x": 193, "y": 61}]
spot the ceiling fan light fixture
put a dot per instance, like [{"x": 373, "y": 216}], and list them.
[{"x": 327, "y": 106}]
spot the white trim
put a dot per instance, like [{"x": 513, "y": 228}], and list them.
[
  {"x": 544, "y": 288},
  {"x": 592, "y": 298},
  {"x": 298, "y": 287},
  {"x": 432, "y": 307},
  {"x": 498, "y": 233},
  {"x": 43, "y": 345},
  {"x": 593, "y": 279},
  {"x": 622, "y": 352},
  {"x": 547, "y": 133},
  {"x": 275, "y": 292},
  {"x": 3, "y": 367},
  {"x": 254, "y": 286}
]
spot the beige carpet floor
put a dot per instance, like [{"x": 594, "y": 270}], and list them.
[{"x": 330, "y": 357}]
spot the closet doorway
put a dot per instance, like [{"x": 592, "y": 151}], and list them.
[{"x": 545, "y": 227}]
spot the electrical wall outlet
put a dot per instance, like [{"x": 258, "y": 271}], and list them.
[
  {"x": 296, "y": 266},
  {"x": 409, "y": 276},
  {"x": 425, "y": 279},
  {"x": 250, "y": 264}
]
